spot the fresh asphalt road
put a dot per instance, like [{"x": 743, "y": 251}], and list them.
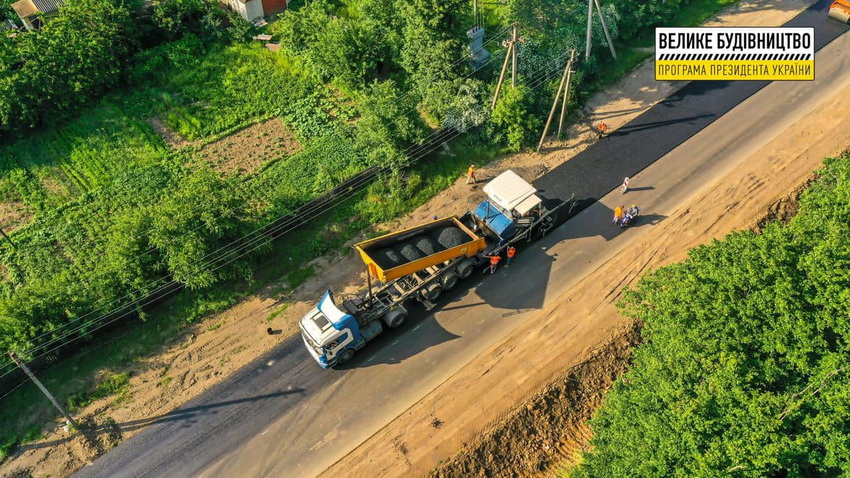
[{"x": 284, "y": 416}]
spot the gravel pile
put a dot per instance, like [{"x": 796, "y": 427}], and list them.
[
  {"x": 428, "y": 246},
  {"x": 387, "y": 257},
  {"x": 450, "y": 236},
  {"x": 410, "y": 252}
]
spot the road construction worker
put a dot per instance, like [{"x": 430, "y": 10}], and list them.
[
  {"x": 470, "y": 174},
  {"x": 601, "y": 129},
  {"x": 494, "y": 261},
  {"x": 630, "y": 214},
  {"x": 618, "y": 214},
  {"x": 510, "y": 255}
]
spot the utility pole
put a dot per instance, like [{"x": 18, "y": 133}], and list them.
[
  {"x": 513, "y": 50},
  {"x": 554, "y": 105},
  {"x": 605, "y": 29},
  {"x": 590, "y": 4},
  {"x": 502, "y": 75},
  {"x": 50, "y": 397},
  {"x": 566, "y": 92},
  {"x": 8, "y": 239}
]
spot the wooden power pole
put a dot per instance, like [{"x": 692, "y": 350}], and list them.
[
  {"x": 50, "y": 397},
  {"x": 566, "y": 92},
  {"x": 555, "y": 103},
  {"x": 590, "y": 4},
  {"x": 513, "y": 55},
  {"x": 510, "y": 54}
]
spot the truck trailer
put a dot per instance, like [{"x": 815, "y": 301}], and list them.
[{"x": 419, "y": 263}]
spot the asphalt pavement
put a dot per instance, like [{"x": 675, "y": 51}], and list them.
[{"x": 284, "y": 416}]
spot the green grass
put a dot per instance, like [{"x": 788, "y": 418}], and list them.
[{"x": 112, "y": 384}]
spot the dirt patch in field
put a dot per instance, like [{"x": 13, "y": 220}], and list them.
[
  {"x": 14, "y": 215},
  {"x": 172, "y": 139},
  {"x": 245, "y": 150},
  {"x": 551, "y": 426}
]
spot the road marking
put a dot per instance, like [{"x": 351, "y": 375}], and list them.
[
  {"x": 371, "y": 358},
  {"x": 479, "y": 284},
  {"x": 396, "y": 342},
  {"x": 417, "y": 327},
  {"x": 264, "y": 432}
]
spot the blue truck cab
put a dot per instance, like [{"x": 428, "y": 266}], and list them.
[{"x": 330, "y": 333}]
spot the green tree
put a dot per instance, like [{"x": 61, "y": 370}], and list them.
[
  {"x": 512, "y": 124},
  {"x": 388, "y": 125}
]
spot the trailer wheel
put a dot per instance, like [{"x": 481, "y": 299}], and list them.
[
  {"x": 465, "y": 269},
  {"x": 395, "y": 318},
  {"x": 345, "y": 357},
  {"x": 432, "y": 292},
  {"x": 449, "y": 280}
]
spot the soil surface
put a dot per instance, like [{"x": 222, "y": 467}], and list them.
[
  {"x": 14, "y": 215},
  {"x": 247, "y": 149},
  {"x": 211, "y": 349},
  {"x": 552, "y": 424}
]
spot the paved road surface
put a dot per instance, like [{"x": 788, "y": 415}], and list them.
[{"x": 283, "y": 416}]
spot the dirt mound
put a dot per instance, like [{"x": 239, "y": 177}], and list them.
[
  {"x": 97, "y": 436},
  {"x": 783, "y": 209},
  {"x": 550, "y": 427}
]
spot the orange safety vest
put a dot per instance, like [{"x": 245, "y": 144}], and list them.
[
  {"x": 511, "y": 252},
  {"x": 495, "y": 259}
]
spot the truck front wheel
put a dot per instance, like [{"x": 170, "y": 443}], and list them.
[{"x": 345, "y": 356}]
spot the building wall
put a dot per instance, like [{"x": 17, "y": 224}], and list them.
[
  {"x": 254, "y": 9},
  {"x": 238, "y": 7},
  {"x": 273, "y": 6}
]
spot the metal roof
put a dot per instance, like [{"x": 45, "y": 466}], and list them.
[{"x": 508, "y": 190}]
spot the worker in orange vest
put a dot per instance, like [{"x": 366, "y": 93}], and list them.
[
  {"x": 511, "y": 253},
  {"x": 618, "y": 214},
  {"x": 494, "y": 261},
  {"x": 601, "y": 129}
]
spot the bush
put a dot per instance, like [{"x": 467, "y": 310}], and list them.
[{"x": 512, "y": 123}]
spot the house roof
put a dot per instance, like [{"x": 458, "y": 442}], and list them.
[
  {"x": 25, "y": 8},
  {"x": 48, "y": 6}
]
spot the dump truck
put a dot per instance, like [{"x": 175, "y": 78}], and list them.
[
  {"x": 419, "y": 263},
  {"x": 840, "y": 10}
]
